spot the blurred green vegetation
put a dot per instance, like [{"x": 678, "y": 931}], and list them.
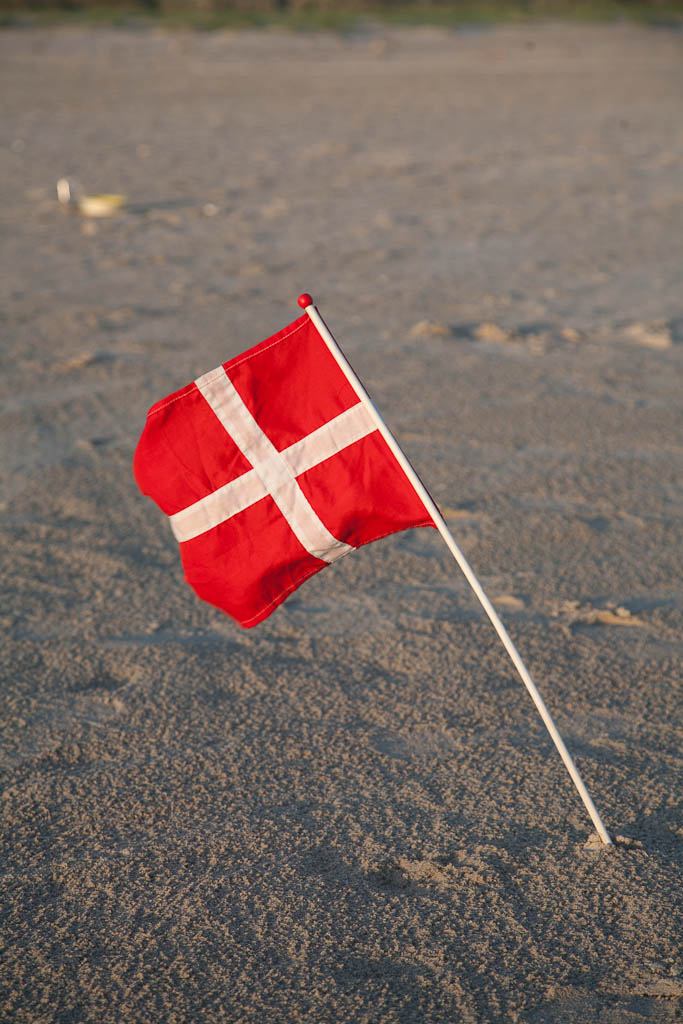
[{"x": 337, "y": 15}]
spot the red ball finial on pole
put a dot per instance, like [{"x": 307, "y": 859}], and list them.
[{"x": 305, "y": 300}]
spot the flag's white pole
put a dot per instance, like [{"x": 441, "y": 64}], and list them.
[{"x": 306, "y": 302}]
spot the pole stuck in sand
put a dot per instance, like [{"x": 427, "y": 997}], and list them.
[{"x": 306, "y": 303}]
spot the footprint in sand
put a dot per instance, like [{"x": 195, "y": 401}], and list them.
[
  {"x": 402, "y": 873},
  {"x": 429, "y": 329},
  {"x": 83, "y": 360},
  {"x": 476, "y": 866},
  {"x": 653, "y": 335},
  {"x": 491, "y": 332},
  {"x": 575, "y": 613},
  {"x": 510, "y": 602},
  {"x": 457, "y": 513}
]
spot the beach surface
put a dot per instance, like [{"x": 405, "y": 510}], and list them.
[{"x": 353, "y": 812}]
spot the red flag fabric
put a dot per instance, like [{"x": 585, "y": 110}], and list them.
[{"x": 270, "y": 468}]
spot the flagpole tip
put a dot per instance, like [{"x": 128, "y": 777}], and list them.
[{"x": 305, "y": 300}]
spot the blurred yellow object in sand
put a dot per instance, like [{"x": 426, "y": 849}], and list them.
[{"x": 105, "y": 204}]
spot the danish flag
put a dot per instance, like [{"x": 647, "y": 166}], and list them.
[
  {"x": 276, "y": 464},
  {"x": 270, "y": 468}
]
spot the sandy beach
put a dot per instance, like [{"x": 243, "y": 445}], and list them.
[{"x": 351, "y": 814}]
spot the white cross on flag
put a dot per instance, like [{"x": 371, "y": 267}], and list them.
[{"x": 270, "y": 468}]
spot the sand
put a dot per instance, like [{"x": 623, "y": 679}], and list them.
[{"x": 351, "y": 813}]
